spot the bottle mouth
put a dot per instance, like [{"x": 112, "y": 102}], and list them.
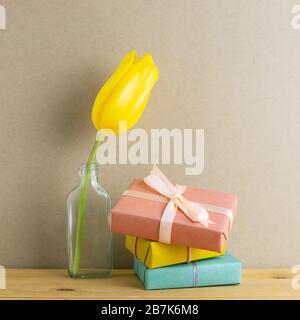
[{"x": 92, "y": 166}]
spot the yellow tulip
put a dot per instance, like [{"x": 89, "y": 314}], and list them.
[
  {"x": 122, "y": 98},
  {"x": 125, "y": 95}
]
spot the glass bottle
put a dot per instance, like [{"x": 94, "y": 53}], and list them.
[{"x": 89, "y": 236}]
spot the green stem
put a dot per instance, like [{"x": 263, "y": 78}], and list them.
[{"x": 81, "y": 208}]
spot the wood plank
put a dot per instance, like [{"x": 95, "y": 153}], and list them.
[{"x": 55, "y": 284}]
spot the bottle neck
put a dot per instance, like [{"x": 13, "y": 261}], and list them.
[{"x": 92, "y": 171}]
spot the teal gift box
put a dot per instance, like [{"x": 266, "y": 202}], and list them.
[{"x": 224, "y": 270}]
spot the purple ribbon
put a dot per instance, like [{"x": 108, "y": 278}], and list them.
[{"x": 195, "y": 273}]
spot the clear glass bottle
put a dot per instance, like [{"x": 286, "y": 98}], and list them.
[{"x": 89, "y": 236}]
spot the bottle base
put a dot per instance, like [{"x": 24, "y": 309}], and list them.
[{"x": 89, "y": 274}]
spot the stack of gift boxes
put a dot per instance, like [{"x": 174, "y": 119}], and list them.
[{"x": 177, "y": 234}]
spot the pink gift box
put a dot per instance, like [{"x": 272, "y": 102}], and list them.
[{"x": 141, "y": 217}]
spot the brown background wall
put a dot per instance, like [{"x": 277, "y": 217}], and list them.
[{"x": 229, "y": 67}]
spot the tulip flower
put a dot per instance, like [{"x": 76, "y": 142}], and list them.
[
  {"x": 122, "y": 98},
  {"x": 125, "y": 95}
]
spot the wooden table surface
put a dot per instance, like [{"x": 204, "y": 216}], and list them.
[{"x": 55, "y": 284}]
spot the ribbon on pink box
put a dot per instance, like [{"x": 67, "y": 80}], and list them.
[{"x": 172, "y": 196}]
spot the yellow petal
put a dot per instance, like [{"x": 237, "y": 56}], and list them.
[
  {"x": 108, "y": 88},
  {"x": 130, "y": 97},
  {"x": 123, "y": 93},
  {"x": 141, "y": 102},
  {"x": 147, "y": 57}
]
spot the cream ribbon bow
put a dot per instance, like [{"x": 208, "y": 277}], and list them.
[{"x": 194, "y": 211}]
